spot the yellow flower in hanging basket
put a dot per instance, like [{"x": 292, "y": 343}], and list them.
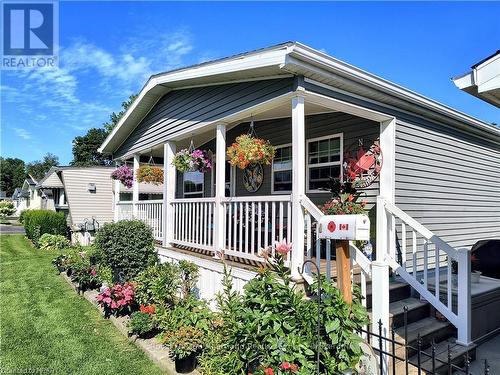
[
  {"x": 150, "y": 174},
  {"x": 250, "y": 150}
]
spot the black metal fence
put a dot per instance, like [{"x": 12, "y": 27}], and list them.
[{"x": 399, "y": 365}]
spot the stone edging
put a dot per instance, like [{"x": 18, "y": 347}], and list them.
[{"x": 155, "y": 351}]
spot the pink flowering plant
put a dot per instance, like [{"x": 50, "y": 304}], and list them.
[
  {"x": 190, "y": 161},
  {"x": 123, "y": 174},
  {"x": 117, "y": 300}
]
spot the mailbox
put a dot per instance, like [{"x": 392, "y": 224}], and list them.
[{"x": 345, "y": 227}]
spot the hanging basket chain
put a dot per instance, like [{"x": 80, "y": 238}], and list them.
[
  {"x": 251, "y": 130},
  {"x": 191, "y": 146}
]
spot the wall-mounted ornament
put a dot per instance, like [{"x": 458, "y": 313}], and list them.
[
  {"x": 362, "y": 163},
  {"x": 253, "y": 176}
]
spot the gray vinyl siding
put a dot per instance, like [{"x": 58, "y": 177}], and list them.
[
  {"x": 279, "y": 132},
  {"x": 449, "y": 181},
  {"x": 84, "y": 204},
  {"x": 182, "y": 109}
]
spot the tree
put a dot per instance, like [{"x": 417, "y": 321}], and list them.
[
  {"x": 37, "y": 169},
  {"x": 114, "y": 118},
  {"x": 85, "y": 149},
  {"x": 7, "y": 209},
  {"x": 12, "y": 174}
]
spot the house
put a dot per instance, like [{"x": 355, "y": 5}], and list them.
[
  {"x": 84, "y": 194},
  {"x": 436, "y": 194},
  {"x": 483, "y": 81},
  {"x": 29, "y": 197}
]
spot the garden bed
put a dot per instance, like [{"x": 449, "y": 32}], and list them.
[{"x": 153, "y": 349}]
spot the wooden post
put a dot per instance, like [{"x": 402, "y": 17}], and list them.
[{"x": 344, "y": 270}]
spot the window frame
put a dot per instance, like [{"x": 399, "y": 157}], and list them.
[
  {"x": 190, "y": 194},
  {"x": 232, "y": 178},
  {"x": 329, "y": 164},
  {"x": 282, "y": 192}
]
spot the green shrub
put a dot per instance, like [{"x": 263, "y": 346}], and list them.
[
  {"x": 53, "y": 242},
  {"x": 105, "y": 274},
  {"x": 158, "y": 284},
  {"x": 141, "y": 324},
  {"x": 22, "y": 214},
  {"x": 127, "y": 247},
  {"x": 7, "y": 209},
  {"x": 189, "y": 273},
  {"x": 38, "y": 222},
  {"x": 183, "y": 342}
]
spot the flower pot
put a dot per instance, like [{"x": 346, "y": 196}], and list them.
[{"x": 185, "y": 365}]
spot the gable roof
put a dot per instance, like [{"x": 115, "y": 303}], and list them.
[
  {"x": 51, "y": 179},
  {"x": 285, "y": 59}
]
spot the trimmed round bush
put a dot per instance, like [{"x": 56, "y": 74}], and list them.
[
  {"x": 127, "y": 247},
  {"x": 38, "y": 222}
]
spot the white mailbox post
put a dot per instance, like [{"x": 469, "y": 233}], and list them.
[{"x": 344, "y": 228}]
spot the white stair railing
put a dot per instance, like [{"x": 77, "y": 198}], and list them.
[{"x": 430, "y": 270}]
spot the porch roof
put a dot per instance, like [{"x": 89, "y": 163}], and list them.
[{"x": 287, "y": 60}]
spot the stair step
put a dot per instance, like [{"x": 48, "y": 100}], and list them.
[
  {"x": 458, "y": 353},
  {"x": 397, "y": 291},
  {"x": 416, "y": 310},
  {"x": 429, "y": 328}
]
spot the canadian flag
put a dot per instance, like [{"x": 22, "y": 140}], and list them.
[{"x": 344, "y": 227}]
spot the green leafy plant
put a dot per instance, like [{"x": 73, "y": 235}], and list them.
[
  {"x": 7, "y": 209},
  {"x": 189, "y": 273},
  {"x": 118, "y": 299},
  {"x": 158, "y": 284},
  {"x": 191, "y": 312},
  {"x": 141, "y": 324},
  {"x": 127, "y": 247},
  {"x": 184, "y": 342},
  {"x": 53, "y": 242},
  {"x": 38, "y": 222},
  {"x": 104, "y": 274}
]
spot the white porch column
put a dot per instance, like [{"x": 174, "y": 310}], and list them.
[
  {"x": 169, "y": 174},
  {"x": 117, "y": 200},
  {"x": 135, "y": 187},
  {"x": 220, "y": 187},
  {"x": 380, "y": 268},
  {"x": 464, "y": 297},
  {"x": 298, "y": 183}
]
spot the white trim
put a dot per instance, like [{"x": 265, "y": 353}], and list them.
[
  {"x": 339, "y": 163},
  {"x": 232, "y": 178},
  {"x": 272, "y": 171},
  {"x": 190, "y": 194}
]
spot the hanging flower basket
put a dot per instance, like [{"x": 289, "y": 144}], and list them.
[
  {"x": 150, "y": 174},
  {"x": 250, "y": 150},
  {"x": 191, "y": 161},
  {"x": 123, "y": 174}
]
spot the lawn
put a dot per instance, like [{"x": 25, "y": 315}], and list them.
[{"x": 45, "y": 327}]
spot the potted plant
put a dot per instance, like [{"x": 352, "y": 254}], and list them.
[
  {"x": 150, "y": 174},
  {"x": 142, "y": 323},
  {"x": 117, "y": 300},
  {"x": 191, "y": 160},
  {"x": 184, "y": 344},
  {"x": 123, "y": 174},
  {"x": 249, "y": 150}
]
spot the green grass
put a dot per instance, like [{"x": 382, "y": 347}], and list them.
[{"x": 45, "y": 325}]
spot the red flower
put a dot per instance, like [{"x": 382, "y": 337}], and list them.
[
  {"x": 285, "y": 366},
  {"x": 269, "y": 371}
]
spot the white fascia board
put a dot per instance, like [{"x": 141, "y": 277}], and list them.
[
  {"x": 330, "y": 64},
  {"x": 259, "y": 59},
  {"x": 464, "y": 81}
]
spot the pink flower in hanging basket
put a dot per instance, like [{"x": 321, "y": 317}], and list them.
[{"x": 123, "y": 174}]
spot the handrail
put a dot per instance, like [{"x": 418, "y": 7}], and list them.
[
  {"x": 426, "y": 233},
  {"x": 263, "y": 198},
  {"x": 193, "y": 200},
  {"x": 151, "y": 201},
  {"x": 361, "y": 259},
  {"x": 311, "y": 208}
]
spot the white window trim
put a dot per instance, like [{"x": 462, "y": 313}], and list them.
[
  {"x": 232, "y": 178},
  {"x": 340, "y": 162},
  {"x": 190, "y": 194},
  {"x": 272, "y": 172}
]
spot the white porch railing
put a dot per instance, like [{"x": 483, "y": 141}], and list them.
[
  {"x": 194, "y": 222},
  {"x": 321, "y": 250},
  {"x": 253, "y": 223},
  {"x": 430, "y": 270},
  {"x": 151, "y": 212},
  {"x": 125, "y": 210}
]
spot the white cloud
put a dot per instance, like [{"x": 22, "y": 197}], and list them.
[{"x": 23, "y": 133}]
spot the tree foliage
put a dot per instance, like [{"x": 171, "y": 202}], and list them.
[
  {"x": 85, "y": 149},
  {"x": 114, "y": 118},
  {"x": 12, "y": 174},
  {"x": 38, "y": 168}
]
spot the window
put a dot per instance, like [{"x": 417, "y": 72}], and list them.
[
  {"x": 230, "y": 173},
  {"x": 281, "y": 170},
  {"x": 193, "y": 184},
  {"x": 324, "y": 160}
]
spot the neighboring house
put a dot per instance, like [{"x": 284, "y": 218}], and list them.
[
  {"x": 29, "y": 196},
  {"x": 84, "y": 194},
  {"x": 438, "y": 189},
  {"x": 483, "y": 81}
]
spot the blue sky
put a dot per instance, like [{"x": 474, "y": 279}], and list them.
[{"x": 108, "y": 49}]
